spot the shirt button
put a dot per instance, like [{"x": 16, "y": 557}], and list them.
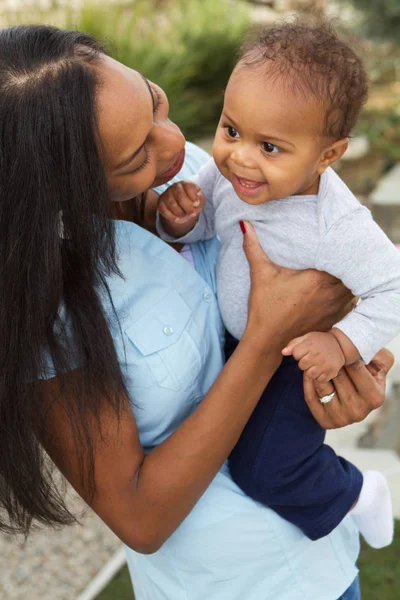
[
  {"x": 168, "y": 330},
  {"x": 207, "y": 296}
]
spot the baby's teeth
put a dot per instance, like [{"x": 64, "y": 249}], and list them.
[{"x": 248, "y": 185}]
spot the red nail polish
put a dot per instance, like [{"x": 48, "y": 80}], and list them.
[{"x": 242, "y": 226}]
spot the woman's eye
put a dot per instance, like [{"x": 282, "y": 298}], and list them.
[
  {"x": 270, "y": 148},
  {"x": 158, "y": 100},
  {"x": 142, "y": 166},
  {"x": 232, "y": 132}
]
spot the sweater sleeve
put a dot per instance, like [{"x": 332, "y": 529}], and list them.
[
  {"x": 204, "y": 228},
  {"x": 357, "y": 251}
]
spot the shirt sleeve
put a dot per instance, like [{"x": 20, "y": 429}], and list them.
[
  {"x": 357, "y": 251},
  {"x": 204, "y": 228}
]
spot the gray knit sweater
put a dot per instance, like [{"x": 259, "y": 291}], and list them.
[{"x": 331, "y": 232}]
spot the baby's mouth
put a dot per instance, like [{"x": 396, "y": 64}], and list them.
[
  {"x": 246, "y": 187},
  {"x": 249, "y": 183}
]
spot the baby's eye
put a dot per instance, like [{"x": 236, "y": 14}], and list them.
[
  {"x": 270, "y": 148},
  {"x": 232, "y": 132}
]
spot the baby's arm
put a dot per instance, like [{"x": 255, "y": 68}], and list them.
[
  {"x": 358, "y": 252},
  {"x": 186, "y": 209}
]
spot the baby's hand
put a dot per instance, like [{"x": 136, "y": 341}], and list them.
[
  {"x": 181, "y": 202},
  {"x": 320, "y": 355}
]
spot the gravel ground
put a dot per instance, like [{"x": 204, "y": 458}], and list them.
[{"x": 55, "y": 565}]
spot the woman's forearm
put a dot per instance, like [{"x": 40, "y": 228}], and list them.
[{"x": 177, "y": 472}]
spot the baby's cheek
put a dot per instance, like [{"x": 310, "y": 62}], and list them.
[
  {"x": 224, "y": 170},
  {"x": 219, "y": 153}
]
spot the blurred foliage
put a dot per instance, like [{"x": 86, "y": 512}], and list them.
[
  {"x": 188, "y": 47},
  {"x": 382, "y": 127},
  {"x": 380, "y": 18},
  {"x": 372, "y": 29}
]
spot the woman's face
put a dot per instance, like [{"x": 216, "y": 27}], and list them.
[{"x": 141, "y": 147}]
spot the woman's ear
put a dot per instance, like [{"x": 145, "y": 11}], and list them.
[{"x": 332, "y": 154}]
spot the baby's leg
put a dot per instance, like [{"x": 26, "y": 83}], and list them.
[{"x": 281, "y": 460}]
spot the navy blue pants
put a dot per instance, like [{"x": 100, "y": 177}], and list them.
[{"x": 281, "y": 459}]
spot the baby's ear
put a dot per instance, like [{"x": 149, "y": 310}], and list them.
[{"x": 332, "y": 153}]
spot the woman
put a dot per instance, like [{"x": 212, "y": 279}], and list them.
[{"x": 111, "y": 341}]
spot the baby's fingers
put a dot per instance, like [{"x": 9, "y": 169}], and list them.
[
  {"x": 185, "y": 201},
  {"x": 176, "y": 205},
  {"x": 315, "y": 373},
  {"x": 195, "y": 194},
  {"x": 320, "y": 374},
  {"x": 288, "y": 349},
  {"x": 166, "y": 212},
  {"x": 323, "y": 378},
  {"x": 306, "y": 362}
]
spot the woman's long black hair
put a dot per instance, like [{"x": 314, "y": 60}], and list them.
[{"x": 50, "y": 166}]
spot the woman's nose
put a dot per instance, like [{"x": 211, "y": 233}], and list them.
[{"x": 167, "y": 138}]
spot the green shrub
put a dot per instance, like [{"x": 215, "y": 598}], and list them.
[
  {"x": 381, "y": 18},
  {"x": 188, "y": 47},
  {"x": 383, "y": 131}
]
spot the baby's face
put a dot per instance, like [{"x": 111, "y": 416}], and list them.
[{"x": 267, "y": 142}]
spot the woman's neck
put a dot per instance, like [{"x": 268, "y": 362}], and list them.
[{"x": 123, "y": 211}]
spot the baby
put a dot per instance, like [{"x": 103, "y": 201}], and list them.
[{"x": 289, "y": 108}]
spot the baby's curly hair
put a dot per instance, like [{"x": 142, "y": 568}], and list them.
[{"x": 313, "y": 59}]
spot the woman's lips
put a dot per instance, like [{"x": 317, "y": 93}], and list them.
[
  {"x": 176, "y": 167},
  {"x": 247, "y": 187}
]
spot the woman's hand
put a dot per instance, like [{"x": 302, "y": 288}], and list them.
[
  {"x": 359, "y": 389},
  {"x": 285, "y": 303}
]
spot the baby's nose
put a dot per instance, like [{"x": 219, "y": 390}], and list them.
[{"x": 243, "y": 158}]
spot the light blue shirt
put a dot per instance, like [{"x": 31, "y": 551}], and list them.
[
  {"x": 229, "y": 547},
  {"x": 169, "y": 342}
]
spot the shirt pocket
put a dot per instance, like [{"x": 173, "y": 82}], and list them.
[{"x": 169, "y": 342}]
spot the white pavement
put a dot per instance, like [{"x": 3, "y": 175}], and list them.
[
  {"x": 345, "y": 440},
  {"x": 394, "y": 347},
  {"x": 385, "y": 461},
  {"x": 387, "y": 190}
]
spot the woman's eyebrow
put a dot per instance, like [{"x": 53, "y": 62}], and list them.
[{"x": 130, "y": 158}]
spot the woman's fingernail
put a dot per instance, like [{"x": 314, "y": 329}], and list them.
[
  {"x": 242, "y": 226},
  {"x": 196, "y": 203}
]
